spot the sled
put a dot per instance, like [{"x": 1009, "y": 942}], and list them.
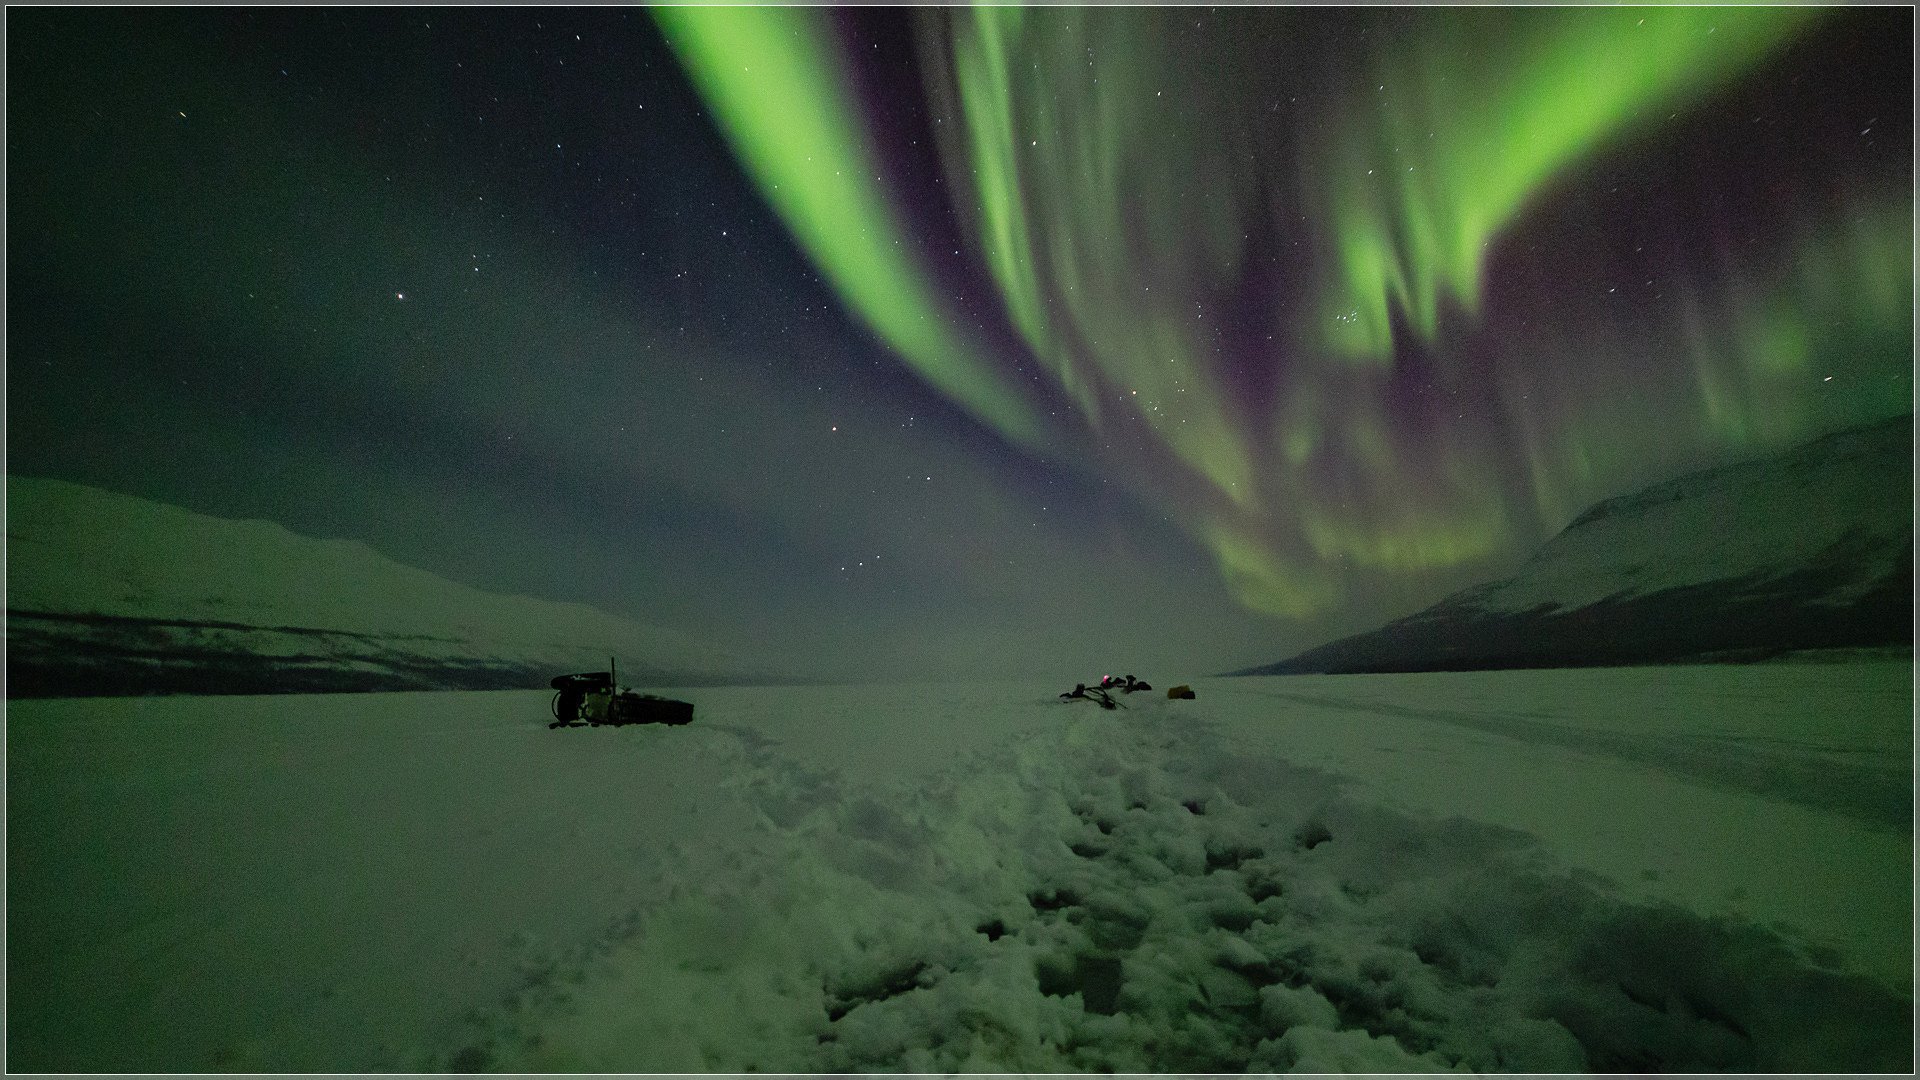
[{"x": 593, "y": 699}]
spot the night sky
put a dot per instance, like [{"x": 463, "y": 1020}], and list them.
[{"x": 923, "y": 342}]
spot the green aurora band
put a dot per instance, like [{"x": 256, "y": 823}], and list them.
[
  {"x": 772, "y": 77},
  {"x": 1120, "y": 176},
  {"x": 1475, "y": 119}
]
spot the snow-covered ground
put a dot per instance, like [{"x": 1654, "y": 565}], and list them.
[{"x": 1672, "y": 868}]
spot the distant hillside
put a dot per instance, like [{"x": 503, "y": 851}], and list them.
[
  {"x": 1808, "y": 549},
  {"x": 111, "y": 594}
]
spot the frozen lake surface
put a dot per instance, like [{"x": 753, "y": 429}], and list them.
[{"x": 1696, "y": 868}]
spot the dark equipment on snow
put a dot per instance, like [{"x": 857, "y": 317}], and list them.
[
  {"x": 593, "y": 698},
  {"x": 1181, "y": 692},
  {"x": 1109, "y": 683},
  {"x": 1081, "y": 692}
]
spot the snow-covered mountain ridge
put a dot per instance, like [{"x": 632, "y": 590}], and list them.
[
  {"x": 1810, "y": 548},
  {"x": 113, "y": 594}
]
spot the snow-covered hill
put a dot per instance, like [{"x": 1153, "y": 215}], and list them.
[
  {"x": 1808, "y": 549},
  {"x": 111, "y": 594}
]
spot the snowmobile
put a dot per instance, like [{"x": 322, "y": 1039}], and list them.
[{"x": 595, "y": 699}]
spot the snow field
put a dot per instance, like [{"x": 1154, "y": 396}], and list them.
[
  {"x": 1496, "y": 871},
  {"x": 1129, "y": 891}
]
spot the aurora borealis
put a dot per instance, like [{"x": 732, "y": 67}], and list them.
[
  {"x": 951, "y": 338},
  {"x": 1082, "y": 185}
]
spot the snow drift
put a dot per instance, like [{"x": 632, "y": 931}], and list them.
[
  {"x": 1810, "y": 549},
  {"x": 111, "y": 594}
]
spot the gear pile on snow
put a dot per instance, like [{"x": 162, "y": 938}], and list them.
[{"x": 1104, "y": 692}]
